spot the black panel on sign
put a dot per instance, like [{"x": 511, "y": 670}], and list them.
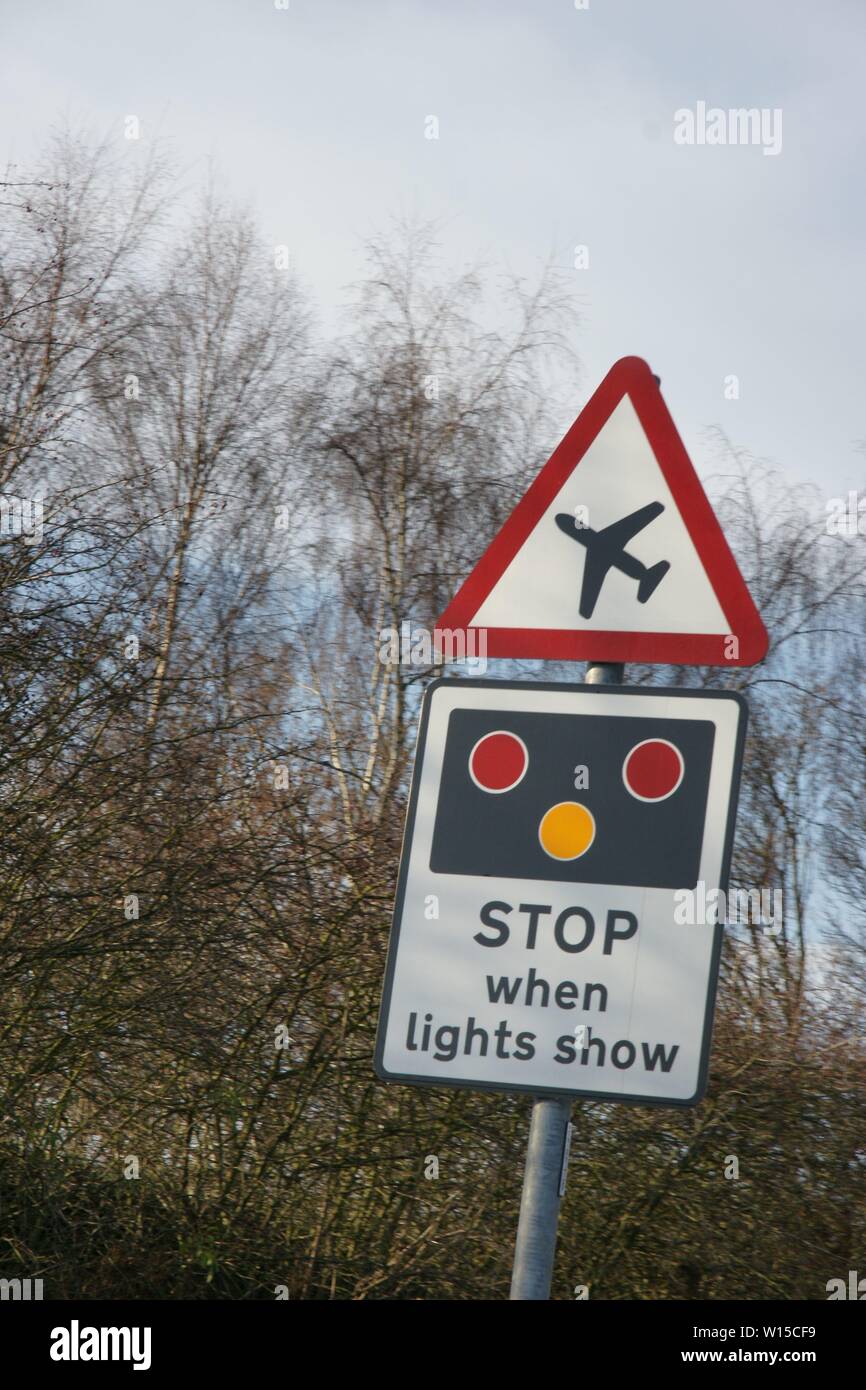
[{"x": 653, "y": 844}]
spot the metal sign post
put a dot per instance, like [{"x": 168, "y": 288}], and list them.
[
  {"x": 553, "y": 828},
  {"x": 546, "y": 1152},
  {"x": 539, "y": 1202}
]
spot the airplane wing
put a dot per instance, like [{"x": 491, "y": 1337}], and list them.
[
  {"x": 618, "y": 535},
  {"x": 595, "y": 568}
]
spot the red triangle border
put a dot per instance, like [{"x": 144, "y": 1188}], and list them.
[{"x": 629, "y": 376}]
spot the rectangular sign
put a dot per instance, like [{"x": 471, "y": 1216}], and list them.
[{"x": 552, "y": 832}]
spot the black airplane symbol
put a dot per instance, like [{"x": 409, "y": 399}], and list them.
[{"x": 606, "y": 550}]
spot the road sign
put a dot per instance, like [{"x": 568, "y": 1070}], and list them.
[
  {"x": 541, "y": 939},
  {"x": 614, "y": 553}
]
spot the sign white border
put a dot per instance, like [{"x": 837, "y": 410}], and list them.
[{"x": 727, "y": 710}]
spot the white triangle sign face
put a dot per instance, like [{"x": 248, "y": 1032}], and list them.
[{"x": 614, "y": 553}]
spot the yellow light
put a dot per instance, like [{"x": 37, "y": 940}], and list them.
[{"x": 567, "y": 830}]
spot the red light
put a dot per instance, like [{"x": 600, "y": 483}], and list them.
[
  {"x": 498, "y": 761},
  {"x": 653, "y": 770}
]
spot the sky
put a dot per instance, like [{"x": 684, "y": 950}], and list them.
[{"x": 556, "y": 130}]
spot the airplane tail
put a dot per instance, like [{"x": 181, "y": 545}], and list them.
[{"x": 651, "y": 580}]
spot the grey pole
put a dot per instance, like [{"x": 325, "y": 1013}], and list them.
[
  {"x": 546, "y": 1151},
  {"x": 539, "y": 1202},
  {"x": 604, "y": 673}
]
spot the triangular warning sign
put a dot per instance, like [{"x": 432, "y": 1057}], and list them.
[{"x": 614, "y": 553}]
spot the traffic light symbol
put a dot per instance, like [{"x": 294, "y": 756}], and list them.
[
  {"x": 498, "y": 762},
  {"x": 567, "y": 830},
  {"x": 507, "y": 806},
  {"x": 653, "y": 770}
]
